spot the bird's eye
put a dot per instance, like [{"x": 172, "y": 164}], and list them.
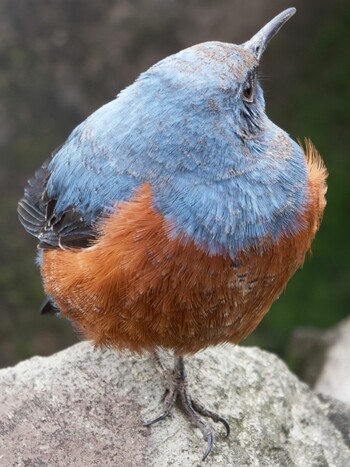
[{"x": 248, "y": 89}]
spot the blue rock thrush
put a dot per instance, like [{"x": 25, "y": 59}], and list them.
[{"x": 174, "y": 216}]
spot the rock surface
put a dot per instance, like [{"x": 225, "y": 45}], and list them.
[
  {"x": 82, "y": 407},
  {"x": 334, "y": 378},
  {"x": 322, "y": 359}
]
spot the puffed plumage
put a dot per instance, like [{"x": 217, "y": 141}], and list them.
[{"x": 175, "y": 215}]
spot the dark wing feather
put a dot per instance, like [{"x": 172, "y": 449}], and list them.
[
  {"x": 37, "y": 214},
  {"x": 48, "y": 308},
  {"x": 31, "y": 209}
]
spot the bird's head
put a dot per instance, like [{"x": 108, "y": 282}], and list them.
[{"x": 214, "y": 78}]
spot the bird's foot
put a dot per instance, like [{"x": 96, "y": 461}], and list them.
[{"x": 177, "y": 392}]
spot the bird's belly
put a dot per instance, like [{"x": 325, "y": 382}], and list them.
[{"x": 138, "y": 289}]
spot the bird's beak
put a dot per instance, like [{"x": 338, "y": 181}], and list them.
[{"x": 257, "y": 44}]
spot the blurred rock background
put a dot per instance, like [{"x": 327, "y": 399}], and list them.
[{"x": 60, "y": 60}]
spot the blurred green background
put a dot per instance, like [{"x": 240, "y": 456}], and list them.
[{"x": 60, "y": 60}]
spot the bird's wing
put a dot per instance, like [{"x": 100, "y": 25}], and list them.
[
  {"x": 66, "y": 228},
  {"x": 63, "y": 201},
  {"x": 81, "y": 183}
]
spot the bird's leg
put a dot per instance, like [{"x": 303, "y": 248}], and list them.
[
  {"x": 170, "y": 390},
  {"x": 177, "y": 391}
]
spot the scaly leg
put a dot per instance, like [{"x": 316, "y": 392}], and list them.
[{"x": 177, "y": 391}]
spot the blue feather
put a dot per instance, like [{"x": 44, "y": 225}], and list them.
[{"x": 221, "y": 172}]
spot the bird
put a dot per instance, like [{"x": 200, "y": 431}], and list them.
[{"x": 174, "y": 215}]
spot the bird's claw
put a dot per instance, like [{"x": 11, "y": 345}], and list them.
[
  {"x": 177, "y": 392},
  {"x": 199, "y": 408},
  {"x": 210, "y": 441},
  {"x": 157, "y": 419}
]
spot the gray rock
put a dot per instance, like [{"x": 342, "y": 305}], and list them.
[
  {"x": 82, "y": 407},
  {"x": 321, "y": 359},
  {"x": 307, "y": 352},
  {"x": 339, "y": 414},
  {"x": 334, "y": 378}
]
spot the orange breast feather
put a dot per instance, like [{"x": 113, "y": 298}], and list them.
[{"x": 137, "y": 289}]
